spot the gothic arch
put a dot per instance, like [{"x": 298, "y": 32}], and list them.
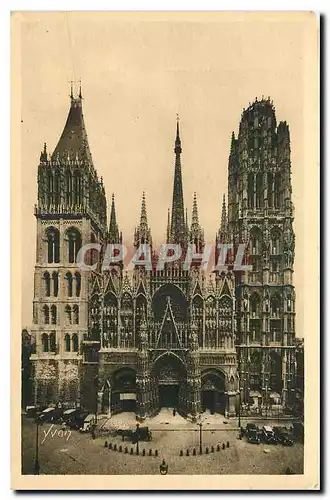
[
  {"x": 73, "y": 238},
  {"x": 52, "y": 236},
  {"x": 178, "y": 302}
]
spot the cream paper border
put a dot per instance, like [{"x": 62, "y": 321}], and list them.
[{"x": 310, "y": 478}]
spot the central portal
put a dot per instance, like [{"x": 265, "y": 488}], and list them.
[{"x": 168, "y": 396}]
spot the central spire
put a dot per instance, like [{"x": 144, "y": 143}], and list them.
[{"x": 178, "y": 226}]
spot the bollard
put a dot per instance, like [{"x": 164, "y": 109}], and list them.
[
  {"x": 106, "y": 444},
  {"x": 126, "y": 449},
  {"x": 156, "y": 453},
  {"x": 218, "y": 447},
  {"x": 187, "y": 453},
  {"x": 206, "y": 451},
  {"x": 194, "y": 451},
  {"x": 227, "y": 444},
  {"x": 120, "y": 448},
  {"x": 144, "y": 452},
  {"x": 181, "y": 453},
  {"x": 132, "y": 451},
  {"x": 223, "y": 446},
  {"x": 212, "y": 449},
  {"x": 150, "y": 452}
]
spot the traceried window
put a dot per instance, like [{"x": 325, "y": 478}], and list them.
[
  {"x": 67, "y": 342},
  {"x": 53, "y": 314},
  {"x": 74, "y": 244},
  {"x": 78, "y": 284},
  {"x": 75, "y": 342},
  {"x": 68, "y": 315},
  {"x": 68, "y": 278},
  {"x": 45, "y": 342},
  {"x": 55, "y": 283},
  {"x": 76, "y": 314},
  {"x": 47, "y": 284},
  {"x": 53, "y": 245},
  {"x": 46, "y": 314},
  {"x": 52, "y": 342}
]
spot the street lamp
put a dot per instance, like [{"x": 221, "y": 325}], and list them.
[
  {"x": 137, "y": 437},
  {"x": 36, "y": 461},
  {"x": 200, "y": 438},
  {"x": 239, "y": 407}
]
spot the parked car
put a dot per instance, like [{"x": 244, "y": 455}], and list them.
[
  {"x": 88, "y": 421},
  {"x": 70, "y": 414},
  {"x": 77, "y": 420},
  {"x": 47, "y": 415},
  {"x": 268, "y": 435},
  {"x": 282, "y": 436},
  {"x": 252, "y": 434},
  {"x": 32, "y": 411}
]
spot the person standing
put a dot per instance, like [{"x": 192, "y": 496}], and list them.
[{"x": 163, "y": 468}]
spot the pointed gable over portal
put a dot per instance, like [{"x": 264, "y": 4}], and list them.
[{"x": 168, "y": 336}]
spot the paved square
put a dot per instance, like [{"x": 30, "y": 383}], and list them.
[{"x": 76, "y": 453}]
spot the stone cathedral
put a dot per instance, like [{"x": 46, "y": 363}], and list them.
[{"x": 109, "y": 340}]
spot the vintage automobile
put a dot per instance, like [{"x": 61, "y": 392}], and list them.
[
  {"x": 50, "y": 414},
  {"x": 87, "y": 423},
  {"x": 252, "y": 434},
  {"x": 267, "y": 435},
  {"x": 282, "y": 436}
]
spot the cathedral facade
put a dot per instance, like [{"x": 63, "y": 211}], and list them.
[{"x": 191, "y": 339}]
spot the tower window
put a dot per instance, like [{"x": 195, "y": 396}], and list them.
[
  {"x": 68, "y": 278},
  {"x": 52, "y": 342},
  {"x": 78, "y": 284},
  {"x": 74, "y": 244},
  {"x": 75, "y": 342},
  {"x": 67, "y": 342},
  {"x": 45, "y": 343},
  {"x": 76, "y": 314},
  {"x": 54, "y": 314},
  {"x": 68, "y": 315},
  {"x": 250, "y": 190},
  {"x": 46, "y": 315},
  {"x": 53, "y": 245},
  {"x": 47, "y": 284},
  {"x": 55, "y": 283}
]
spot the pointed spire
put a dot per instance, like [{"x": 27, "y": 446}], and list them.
[
  {"x": 71, "y": 90},
  {"x": 187, "y": 225},
  {"x": 196, "y": 231},
  {"x": 142, "y": 232},
  {"x": 178, "y": 226},
  {"x": 80, "y": 94},
  {"x": 194, "y": 218},
  {"x": 223, "y": 231},
  {"x": 143, "y": 216},
  {"x": 113, "y": 227}
]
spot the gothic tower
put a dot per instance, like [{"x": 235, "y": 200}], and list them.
[
  {"x": 260, "y": 213},
  {"x": 70, "y": 213}
]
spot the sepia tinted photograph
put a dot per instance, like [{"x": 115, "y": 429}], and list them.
[{"x": 163, "y": 305}]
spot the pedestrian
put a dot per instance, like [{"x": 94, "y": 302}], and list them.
[
  {"x": 163, "y": 468},
  {"x": 174, "y": 412}
]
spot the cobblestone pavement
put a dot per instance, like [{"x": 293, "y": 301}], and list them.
[{"x": 79, "y": 454}]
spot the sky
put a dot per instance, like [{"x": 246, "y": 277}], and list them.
[{"x": 136, "y": 76}]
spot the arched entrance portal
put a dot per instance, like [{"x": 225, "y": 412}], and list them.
[
  {"x": 213, "y": 392},
  {"x": 123, "y": 393},
  {"x": 170, "y": 375}
]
